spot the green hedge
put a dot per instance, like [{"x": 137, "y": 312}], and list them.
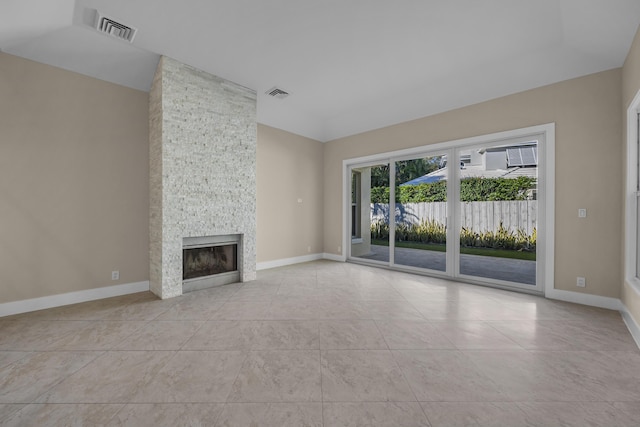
[{"x": 471, "y": 190}]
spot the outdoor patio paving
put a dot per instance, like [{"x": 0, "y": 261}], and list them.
[{"x": 513, "y": 270}]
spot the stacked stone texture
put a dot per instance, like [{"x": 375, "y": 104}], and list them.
[{"x": 203, "y": 168}]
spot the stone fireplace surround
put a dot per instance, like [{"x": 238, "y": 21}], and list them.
[{"x": 202, "y": 133}]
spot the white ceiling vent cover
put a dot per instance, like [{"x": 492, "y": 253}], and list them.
[
  {"x": 276, "y": 92},
  {"x": 106, "y": 25}
]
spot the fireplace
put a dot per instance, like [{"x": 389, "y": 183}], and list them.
[
  {"x": 210, "y": 261},
  {"x": 202, "y": 178}
]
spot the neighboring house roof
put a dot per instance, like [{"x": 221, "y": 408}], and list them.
[
  {"x": 470, "y": 171},
  {"x": 520, "y": 159},
  {"x": 435, "y": 176}
]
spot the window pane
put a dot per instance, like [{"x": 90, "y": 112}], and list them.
[
  {"x": 498, "y": 212},
  {"x": 637, "y": 171},
  {"x": 638, "y": 237},
  {"x": 421, "y": 213},
  {"x": 370, "y": 212}
]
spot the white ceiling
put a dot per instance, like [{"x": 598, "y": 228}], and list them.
[{"x": 349, "y": 65}]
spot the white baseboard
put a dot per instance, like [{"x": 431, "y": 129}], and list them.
[
  {"x": 334, "y": 257},
  {"x": 297, "y": 260},
  {"x": 584, "y": 299},
  {"x": 34, "y": 304},
  {"x": 632, "y": 324},
  {"x": 287, "y": 261}
]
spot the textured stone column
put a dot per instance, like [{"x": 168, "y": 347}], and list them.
[{"x": 203, "y": 168}]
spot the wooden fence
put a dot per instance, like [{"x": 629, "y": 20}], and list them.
[{"x": 477, "y": 216}]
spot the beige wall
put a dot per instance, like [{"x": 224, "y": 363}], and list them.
[
  {"x": 630, "y": 86},
  {"x": 290, "y": 167},
  {"x": 74, "y": 184},
  {"x": 73, "y": 181},
  {"x": 588, "y": 121}
]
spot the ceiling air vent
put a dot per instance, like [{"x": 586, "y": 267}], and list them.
[
  {"x": 276, "y": 92},
  {"x": 113, "y": 28}
]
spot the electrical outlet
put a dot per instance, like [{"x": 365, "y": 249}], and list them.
[
  {"x": 115, "y": 275},
  {"x": 308, "y": 248},
  {"x": 582, "y": 213},
  {"x": 581, "y": 282},
  {"x": 339, "y": 249}
]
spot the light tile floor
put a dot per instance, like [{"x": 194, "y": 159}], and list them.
[{"x": 321, "y": 344}]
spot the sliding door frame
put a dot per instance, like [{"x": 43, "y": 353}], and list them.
[
  {"x": 545, "y": 134},
  {"x": 429, "y": 151},
  {"x": 541, "y": 200}
]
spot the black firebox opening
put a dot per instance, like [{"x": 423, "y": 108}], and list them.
[{"x": 208, "y": 261}]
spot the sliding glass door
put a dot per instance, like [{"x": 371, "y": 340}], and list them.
[
  {"x": 468, "y": 212},
  {"x": 420, "y": 238},
  {"x": 498, "y": 211}
]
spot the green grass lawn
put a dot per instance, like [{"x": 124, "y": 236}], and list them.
[{"x": 498, "y": 253}]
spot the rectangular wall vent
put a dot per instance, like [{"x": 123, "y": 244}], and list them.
[
  {"x": 113, "y": 28},
  {"x": 277, "y": 93}
]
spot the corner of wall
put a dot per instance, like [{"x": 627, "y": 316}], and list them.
[{"x": 632, "y": 324}]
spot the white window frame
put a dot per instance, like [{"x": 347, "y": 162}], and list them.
[
  {"x": 631, "y": 196},
  {"x": 357, "y": 206}
]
